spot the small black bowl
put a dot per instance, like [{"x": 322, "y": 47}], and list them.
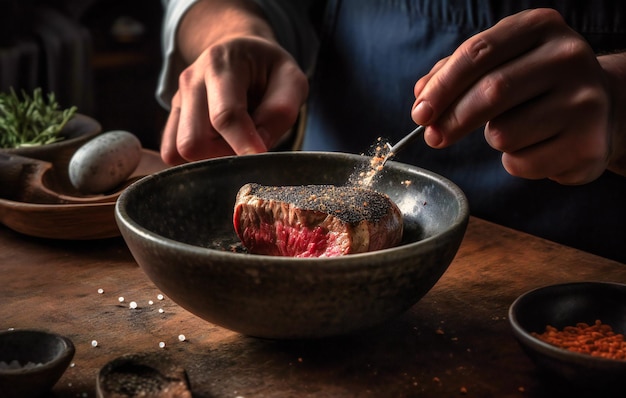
[
  {"x": 42, "y": 358},
  {"x": 566, "y": 305}
]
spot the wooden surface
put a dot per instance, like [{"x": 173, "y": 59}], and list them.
[{"x": 455, "y": 342}]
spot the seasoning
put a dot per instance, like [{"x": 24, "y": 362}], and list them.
[
  {"x": 366, "y": 174},
  {"x": 597, "y": 340}
]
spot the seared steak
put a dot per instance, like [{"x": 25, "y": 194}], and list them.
[{"x": 315, "y": 220}]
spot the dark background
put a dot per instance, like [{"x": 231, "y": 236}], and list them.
[{"x": 102, "y": 56}]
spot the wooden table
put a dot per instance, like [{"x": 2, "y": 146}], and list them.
[{"x": 455, "y": 342}]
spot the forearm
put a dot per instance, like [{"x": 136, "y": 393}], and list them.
[
  {"x": 615, "y": 67},
  {"x": 209, "y": 21}
]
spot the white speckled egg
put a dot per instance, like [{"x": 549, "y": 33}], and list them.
[{"x": 105, "y": 162}]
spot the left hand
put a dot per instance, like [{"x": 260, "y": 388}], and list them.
[{"x": 538, "y": 87}]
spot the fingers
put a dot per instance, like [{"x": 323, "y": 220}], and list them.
[
  {"x": 478, "y": 73},
  {"x": 169, "y": 150},
  {"x": 474, "y": 58},
  {"x": 539, "y": 161},
  {"x": 280, "y": 106},
  {"x": 563, "y": 136},
  {"x": 229, "y": 86},
  {"x": 239, "y": 97},
  {"x": 537, "y": 86}
]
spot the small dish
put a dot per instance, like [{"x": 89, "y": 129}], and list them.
[
  {"x": 78, "y": 130},
  {"x": 79, "y": 218},
  {"x": 42, "y": 358},
  {"x": 567, "y": 305}
]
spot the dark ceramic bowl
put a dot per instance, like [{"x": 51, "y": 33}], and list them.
[
  {"x": 178, "y": 224},
  {"x": 566, "y": 305},
  {"x": 42, "y": 359}
]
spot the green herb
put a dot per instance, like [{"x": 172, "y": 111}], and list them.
[{"x": 31, "y": 120}]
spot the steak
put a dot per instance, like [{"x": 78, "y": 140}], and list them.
[{"x": 315, "y": 220}]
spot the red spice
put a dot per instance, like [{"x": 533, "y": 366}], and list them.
[{"x": 597, "y": 340}]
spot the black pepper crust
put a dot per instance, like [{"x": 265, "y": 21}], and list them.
[{"x": 348, "y": 203}]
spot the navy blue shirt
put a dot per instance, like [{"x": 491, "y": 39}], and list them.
[{"x": 371, "y": 53}]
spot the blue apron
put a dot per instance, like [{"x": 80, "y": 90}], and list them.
[{"x": 373, "y": 52}]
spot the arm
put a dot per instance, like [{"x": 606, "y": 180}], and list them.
[
  {"x": 547, "y": 101},
  {"x": 210, "y": 21},
  {"x": 238, "y": 90}
]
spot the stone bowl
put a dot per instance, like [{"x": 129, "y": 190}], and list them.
[
  {"x": 572, "y": 373},
  {"x": 178, "y": 224},
  {"x": 42, "y": 358}
]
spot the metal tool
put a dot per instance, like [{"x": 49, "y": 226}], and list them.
[{"x": 400, "y": 145}]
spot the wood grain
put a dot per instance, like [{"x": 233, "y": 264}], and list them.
[{"x": 455, "y": 342}]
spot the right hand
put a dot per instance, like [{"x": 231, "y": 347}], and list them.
[
  {"x": 240, "y": 96},
  {"x": 540, "y": 90}
]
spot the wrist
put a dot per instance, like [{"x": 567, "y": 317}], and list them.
[{"x": 209, "y": 21}]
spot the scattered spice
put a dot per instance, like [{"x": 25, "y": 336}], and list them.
[
  {"x": 597, "y": 340},
  {"x": 378, "y": 153}
]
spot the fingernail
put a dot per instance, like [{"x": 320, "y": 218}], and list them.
[
  {"x": 433, "y": 138},
  {"x": 422, "y": 113}
]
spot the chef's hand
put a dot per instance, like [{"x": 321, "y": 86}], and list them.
[
  {"x": 239, "y": 97},
  {"x": 538, "y": 87}
]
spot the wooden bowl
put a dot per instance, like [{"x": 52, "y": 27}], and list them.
[{"x": 49, "y": 212}]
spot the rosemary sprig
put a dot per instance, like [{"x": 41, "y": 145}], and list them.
[{"x": 32, "y": 120}]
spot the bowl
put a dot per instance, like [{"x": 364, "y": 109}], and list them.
[
  {"x": 42, "y": 358},
  {"x": 564, "y": 305},
  {"x": 79, "y": 130},
  {"x": 178, "y": 224},
  {"x": 62, "y": 216},
  {"x": 143, "y": 374}
]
